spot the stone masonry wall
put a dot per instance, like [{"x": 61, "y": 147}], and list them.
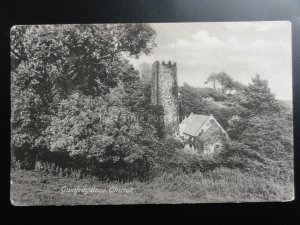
[
  {"x": 164, "y": 91},
  {"x": 210, "y": 137}
]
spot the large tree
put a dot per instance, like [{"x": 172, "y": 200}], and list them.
[
  {"x": 257, "y": 98},
  {"x": 51, "y": 62},
  {"x": 190, "y": 100},
  {"x": 101, "y": 130},
  {"x": 85, "y": 57}
]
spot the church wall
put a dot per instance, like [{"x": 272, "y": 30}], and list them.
[
  {"x": 207, "y": 139},
  {"x": 211, "y": 136},
  {"x": 165, "y": 92}
]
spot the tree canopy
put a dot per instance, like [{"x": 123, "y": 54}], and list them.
[
  {"x": 51, "y": 64},
  {"x": 258, "y": 98},
  {"x": 84, "y": 57},
  {"x": 225, "y": 81}
]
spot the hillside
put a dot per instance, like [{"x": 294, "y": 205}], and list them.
[
  {"x": 286, "y": 103},
  {"x": 219, "y": 185}
]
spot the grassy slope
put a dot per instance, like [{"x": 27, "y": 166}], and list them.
[
  {"x": 30, "y": 188},
  {"x": 27, "y": 188}
]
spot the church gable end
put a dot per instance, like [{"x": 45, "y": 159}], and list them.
[
  {"x": 203, "y": 134},
  {"x": 212, "y": 137}
]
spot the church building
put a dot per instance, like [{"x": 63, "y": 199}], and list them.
[{"x": 202, "y": 134}]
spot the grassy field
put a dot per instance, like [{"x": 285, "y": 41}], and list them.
[{"x": 219, "y": 185}]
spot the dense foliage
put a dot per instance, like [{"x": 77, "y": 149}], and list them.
[
  {"x": 61, "y": 79},
  {"x": 225, "y": 81},
  {"x": 260, "y": 128},
  {"x": 77, "y": 103}
]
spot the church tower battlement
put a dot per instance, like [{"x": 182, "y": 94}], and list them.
[{"x": 164, "y": 92}]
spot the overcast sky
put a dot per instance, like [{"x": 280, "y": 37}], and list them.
[{"x": 240, "y": 49}]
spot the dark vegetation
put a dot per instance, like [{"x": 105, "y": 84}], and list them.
[{"x": 79, "y": 109}]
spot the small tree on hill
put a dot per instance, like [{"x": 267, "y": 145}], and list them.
[{"x": 225, "y": 81}]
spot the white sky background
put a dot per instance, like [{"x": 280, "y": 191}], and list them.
[{"x": 240, "y": 49}]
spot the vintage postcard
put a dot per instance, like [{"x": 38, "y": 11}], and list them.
[{"x": 151, "y": 113}]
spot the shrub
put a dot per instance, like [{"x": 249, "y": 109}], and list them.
[
  {"x": 99, "y": 135},
  {"x": 25, "y": 155},
  {"x": 169, "y": 157}
]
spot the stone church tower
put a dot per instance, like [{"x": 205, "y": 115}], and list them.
[{"x": 164, "y": 92}]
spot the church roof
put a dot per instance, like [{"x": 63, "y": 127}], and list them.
[{"x": 195, "y": 123}]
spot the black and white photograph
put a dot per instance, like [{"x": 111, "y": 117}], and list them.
[{"x": 151, "y": 113}]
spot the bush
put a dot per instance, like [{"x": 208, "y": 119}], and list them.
[
  {"x": 169, "y": 157},
  {"x": 25, "y": 155},
  {"x": 224, "y": 184},
  {"x": 99, "y": 135}
]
